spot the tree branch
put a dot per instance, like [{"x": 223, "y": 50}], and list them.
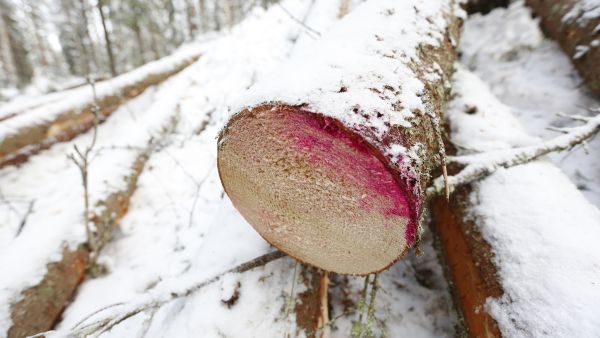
[
  {"x": 483, "y": 164},
  {"x": 152, "y": 302}
]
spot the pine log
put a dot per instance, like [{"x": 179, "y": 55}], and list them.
[
  {"x": 467, "y": 259},
  {"x": 575, "y": 25},
  {"x": 328, "y": 159}
]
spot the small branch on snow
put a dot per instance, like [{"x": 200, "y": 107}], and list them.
[
  {"x": 154, "y": 302},
  {"x": 24, "y": 219},
  {"x": 483, "y": 164},
  {"x": 82, "y": 161}
]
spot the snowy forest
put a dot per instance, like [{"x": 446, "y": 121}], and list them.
[{"x": 300, "y": 168}]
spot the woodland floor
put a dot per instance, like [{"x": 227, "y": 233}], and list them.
[{"x": 180, "y": 226}]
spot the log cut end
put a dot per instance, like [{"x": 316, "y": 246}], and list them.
[{"x": 315, "y": 190}]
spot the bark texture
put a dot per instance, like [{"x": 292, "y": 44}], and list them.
[
  {"x": 575, "y": 25},
  {"x": 333, "y": 171},
  {"x": 468, "y": 264},
  {"x": 28, "y": 141},
  {"x": 483, "y": 6}
]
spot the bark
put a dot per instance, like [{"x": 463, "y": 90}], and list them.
[
  {"x": 107, "y": 40},
  {"x": 312, "y": 313},
  {"x": 483, "y": 6},
  {"x": 467, "y": 259},
  {"x": 343, "y": 8},
  {"x": 28, "y": 141},
  {"x": 342, "y": 186},
  {"x": 575, "y": 25}
]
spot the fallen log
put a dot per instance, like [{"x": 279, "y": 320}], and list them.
[
  {"x": 330, "y": 157},
  {"x": 508, "y": 240},
  {"x": 575, "y": 25},
  {"x": 65, "y": 119},
  {"x": 40, "y": 306}
]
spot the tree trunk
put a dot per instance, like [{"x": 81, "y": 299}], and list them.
[
  {"x": 575, "y": 25},
  {"x": 190, "y": 12},
  {"x": 328, "y": 160},
  {"x": 109, "y": 49},
  {"x": 203, "y": 16},
  {"x": 86, "y": 38}
]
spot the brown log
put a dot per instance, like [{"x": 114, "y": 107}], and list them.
[
  {"x": 341, "y": 185},
  {"x": 28, "y": 141},
  {"x": 468, "y": 263},
  {"x": 312, "y": 306},
  {"x": 575, "y": 25}
]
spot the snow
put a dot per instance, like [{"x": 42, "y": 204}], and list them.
[
  {"x": 536, "y": 79},
  {"x": 332, "y": 78},
  {"x": 53, "y": 182},
  {"x": 582, "y": 12},
  {"x": 182, "y": 229},
  {"x": 541, "y": 229}
]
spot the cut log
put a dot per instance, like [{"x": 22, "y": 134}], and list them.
[
  {"x": 65, "y": 121},
  {"x": 575, "y": 25},
  {"x": 329, "y": 158}
]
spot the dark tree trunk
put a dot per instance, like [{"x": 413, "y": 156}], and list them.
[{"x": 109, "y": 48}]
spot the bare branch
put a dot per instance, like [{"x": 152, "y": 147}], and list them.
[
  {"x": 153, "y": 302},
  {"x": 575, "y": 117},
  {"x": 484, "y": 164}
]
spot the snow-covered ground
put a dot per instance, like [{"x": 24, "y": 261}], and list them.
[
  {"x": 532, "y": 75},
  {"x": 181, "y": 228}
]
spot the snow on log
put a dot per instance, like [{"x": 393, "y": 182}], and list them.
[
  {"x": 575, "y": 24},
  {"x": 328, "y": 158},
  {"x": 33, "y": 131},
  {"x": 40, "y": 306},
  {"x": 518, "y": 266}
]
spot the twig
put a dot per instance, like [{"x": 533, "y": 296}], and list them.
[
  {"x": 82, "y": 161},
  {"x": 151, "y": 302},
  {"x": 24, "y": 219},
  {"x": 311, "y": 30},
  {"x": 484, "y": 164}
]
